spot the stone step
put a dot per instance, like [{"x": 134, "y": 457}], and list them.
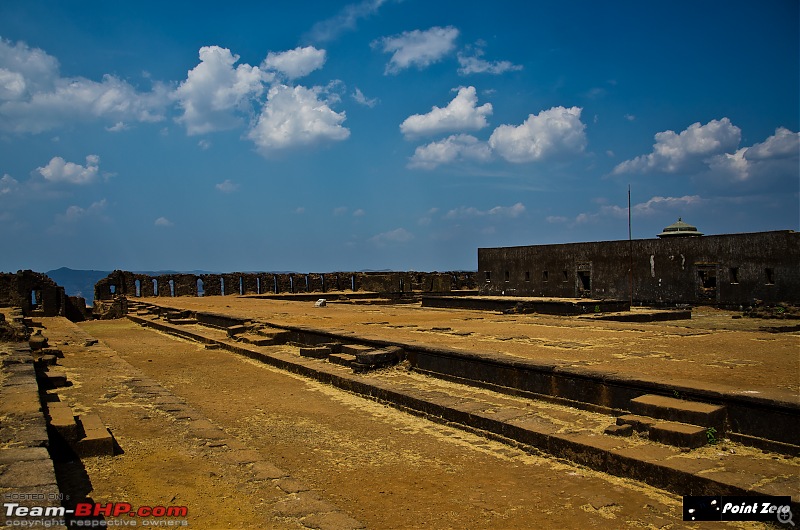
[
  {"x": 256, "y": 340},
  {"x": 96, "y": 440},
  {"x": 638, "y": 423},
  {"x": 47, "y": 360},
  {"x": 345, "y": 359},
  {"x": 171, "y": 315},
  {"x": 182, "y": 321},
  {"x": 235, "y": 330},
  {"x": 679, "y": 410},
  {"x": 334, "y": 347},
  {"x": 278, "y": 336},
  {"x": 381, "y": 357},
  {"x": 315, "y": 352},
  {"x": 63, "y": 420},
  {"x": 678, "y": 434},
  {"x": 354, "y": 349},
  {"x": 54, "y": 379}
]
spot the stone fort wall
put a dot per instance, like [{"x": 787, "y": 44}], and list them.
[
  {"x": 133, "y": 284},
  {"x": 730, "y": 269}
]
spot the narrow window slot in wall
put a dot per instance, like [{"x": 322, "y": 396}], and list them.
[
  {"x": 138, "y": 286},
  {"x": 527, "y": 276},
  {"x": 566, "y": 276},
  {"x": 488, "y": 275},
  {"x": 544, "y": 276},
  {"x": 172, "y": 287},
  {"x": 155, "y": 287},
  {"x": 769, "y": 276},
  {"x": 508, "y": 276},
  {"x": 222, "y": 286},
  {"x": 734, "y": 274}
]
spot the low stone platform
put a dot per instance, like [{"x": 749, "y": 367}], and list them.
[{"x": 514, "y": 304}]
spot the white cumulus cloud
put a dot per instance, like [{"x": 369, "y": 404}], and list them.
[
  {"x": 296, "y": 116},
  {"x": 75, "y": 213},
  {"x": 463, "y": 212},
  {"x": 295, "y": 63},
  {"x": 776, "y": 157},
  {"x": 363, "y": 100},
  {"x": 687, "y": 150},
  {"x": 550, "y": 133},
  {"x": 215, "y": 89},
  {"x": 455, "y": 148},
  {"x": 417, "y": 48},
  {"x": 162, "y": 221},
  {"x": 461, "y": 114},
  {"x": 227, "y": 186},
  {"x": 35, "y": 98},
  {"x": 475, "y": 64},
  {"x": 399, "y": 235},
  {"x": 8, "y": 185},
  {"x": 345, "y": 20},
  {"x": 59, "y": 170}
]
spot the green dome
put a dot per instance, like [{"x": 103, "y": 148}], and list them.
[{"x": 680, "y": 229}]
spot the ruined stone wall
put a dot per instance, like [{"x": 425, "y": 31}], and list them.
[
  {"x": 725, "y": 269},
  {"x": 32, "y": 292},
  {"x": 236, "y": 283}
]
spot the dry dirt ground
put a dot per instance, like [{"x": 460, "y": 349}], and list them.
[
  {"x": 188, "y": 418},
  {"x": 713, "y": 348}
]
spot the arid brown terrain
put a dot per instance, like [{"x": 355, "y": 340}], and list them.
[{"x": 245, "y": 445}]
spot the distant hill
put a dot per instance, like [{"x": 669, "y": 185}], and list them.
[{"x": 78, "y": 282}]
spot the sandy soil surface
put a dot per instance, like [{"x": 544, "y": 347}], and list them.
[
  {"x": 382, "y": 467},
  {"x": 713, "y": 347}
]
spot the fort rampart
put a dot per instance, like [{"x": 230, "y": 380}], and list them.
[{"x": 132, "y": 284}]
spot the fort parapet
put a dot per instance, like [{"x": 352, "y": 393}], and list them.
[{"x": 132, "y": 284}]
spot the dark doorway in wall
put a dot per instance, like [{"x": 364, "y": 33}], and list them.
[
  {"x": 258, "y": 285},
  {"x": 200, "y": 288},
  {"x": 36, "y": 298},
  {"x": 222, "y": 286},
  {"x": 172, "y": 288},
  {"x": 706, "y": 282},
  {"x": 155, "y": 287},
  {"x": 241, "y": 285},
  {"x": 137, "y": 285},
  {"x": 584, "y": 283}
]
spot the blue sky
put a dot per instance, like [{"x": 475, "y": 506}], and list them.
[{"x": 323, "y": 136}]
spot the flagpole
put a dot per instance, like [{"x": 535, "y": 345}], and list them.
[{"x": 630, "y": 250}]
